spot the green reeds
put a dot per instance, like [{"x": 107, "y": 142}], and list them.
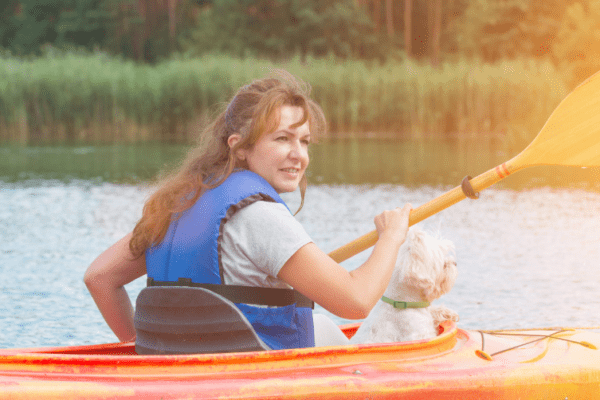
[{"x": 94, "y": 98}]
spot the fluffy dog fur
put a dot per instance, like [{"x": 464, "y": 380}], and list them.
[{"x": 425, "y": 270}]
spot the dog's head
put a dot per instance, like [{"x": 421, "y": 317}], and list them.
[{"x": 425, "y": 263}]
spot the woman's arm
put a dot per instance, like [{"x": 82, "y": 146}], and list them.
[
  {"x": 352, "y": 294},
  {"x": 105, "y": 279}
]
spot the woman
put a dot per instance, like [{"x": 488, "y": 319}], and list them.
[{"x": 221, "y": 210}]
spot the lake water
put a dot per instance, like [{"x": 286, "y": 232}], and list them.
[{"x": 528, "y": 250}]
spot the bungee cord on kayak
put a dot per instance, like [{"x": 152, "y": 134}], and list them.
[{"x": 482, "y": 354}]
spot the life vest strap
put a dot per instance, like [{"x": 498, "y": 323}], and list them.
[{"x": 246, "y": 294}]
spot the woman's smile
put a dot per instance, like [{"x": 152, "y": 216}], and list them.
[{"x": 291, "y": 171}]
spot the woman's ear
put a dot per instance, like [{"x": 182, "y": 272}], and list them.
[{"x": 232, "y": 140}]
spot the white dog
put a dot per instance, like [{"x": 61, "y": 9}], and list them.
[{"x": 425, "y": 270}]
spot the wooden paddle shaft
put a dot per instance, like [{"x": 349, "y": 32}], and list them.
[{"x": 428, "y": 209}]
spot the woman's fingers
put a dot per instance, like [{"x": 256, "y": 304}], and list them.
[{"x": 393, "y": 221}]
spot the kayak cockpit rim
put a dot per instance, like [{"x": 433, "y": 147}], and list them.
[{"x": 125, "y": 352}]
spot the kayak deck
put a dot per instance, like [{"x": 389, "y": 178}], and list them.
[{"x": 450, "y": 366}]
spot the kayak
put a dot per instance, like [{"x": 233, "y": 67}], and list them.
[{"x": 456, "y": 364}]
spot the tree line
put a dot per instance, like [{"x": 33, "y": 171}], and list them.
[
  {"x": 145, "y": 70},
  {"x": 433, "y": 31}
]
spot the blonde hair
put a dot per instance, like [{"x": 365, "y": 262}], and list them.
[{"x": 252, "y": 112}]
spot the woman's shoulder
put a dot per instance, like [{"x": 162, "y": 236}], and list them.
[
  {"x": 267, "y": 216},
  {"x": 266, "y": 206},
  {"x": 264, "y": 213}
]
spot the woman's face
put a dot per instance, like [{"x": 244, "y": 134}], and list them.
[{"x": 281, "y": 157}]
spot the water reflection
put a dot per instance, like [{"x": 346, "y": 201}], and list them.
[
  {"x": 410, "y": 162},
  {"x": 433, "y": 162}
]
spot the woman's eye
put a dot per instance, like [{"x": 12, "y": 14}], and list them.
[{"x": 282, "y": 138}]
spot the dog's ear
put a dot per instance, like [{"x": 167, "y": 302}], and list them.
[
  {"x": 446, "y": 279},
  {"x": 430, "y": 290},
  {"x": 432, "y": 282},
  {"x": 443, "y": 282},
  {"x": 416, "y": 270}
]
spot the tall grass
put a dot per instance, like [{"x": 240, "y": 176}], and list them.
[
  {"x": 94, "y": 98},
  {"x": 418, "y": 100}
]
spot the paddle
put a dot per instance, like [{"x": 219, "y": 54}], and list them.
[{"x": 571, "y": 137}]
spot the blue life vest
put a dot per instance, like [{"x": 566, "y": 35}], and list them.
[{"x": 191, "y": 250}]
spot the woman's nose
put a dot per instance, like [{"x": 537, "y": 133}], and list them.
[{"x": 296, "y": 150}]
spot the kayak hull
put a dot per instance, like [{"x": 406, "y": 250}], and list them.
[{"x": 451, "y": 366}]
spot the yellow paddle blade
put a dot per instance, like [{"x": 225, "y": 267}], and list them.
[{"x": 570, "y": 137}]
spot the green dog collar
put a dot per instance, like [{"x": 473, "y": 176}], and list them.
[{"x": 405, "y": 304}]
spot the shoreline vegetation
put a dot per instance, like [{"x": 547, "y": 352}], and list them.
[{"x": 93, "y": 98}]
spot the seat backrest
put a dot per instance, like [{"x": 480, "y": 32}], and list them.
[{"x": 190, "y": 320}]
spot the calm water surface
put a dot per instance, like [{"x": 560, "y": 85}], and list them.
[{"x": 527, "y": 256}]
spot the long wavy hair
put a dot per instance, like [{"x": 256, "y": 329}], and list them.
[{"x": 252, "y": 112}]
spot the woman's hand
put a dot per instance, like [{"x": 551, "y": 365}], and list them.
[{"x": 393, "y": 223}]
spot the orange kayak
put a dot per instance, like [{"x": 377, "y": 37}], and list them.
[{"x": 457, "y": 364}]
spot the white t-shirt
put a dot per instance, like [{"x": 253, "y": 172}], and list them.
[{"x": 257, "y": 241}]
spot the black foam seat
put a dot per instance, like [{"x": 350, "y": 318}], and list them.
[{"x": 191, "y": 320}]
